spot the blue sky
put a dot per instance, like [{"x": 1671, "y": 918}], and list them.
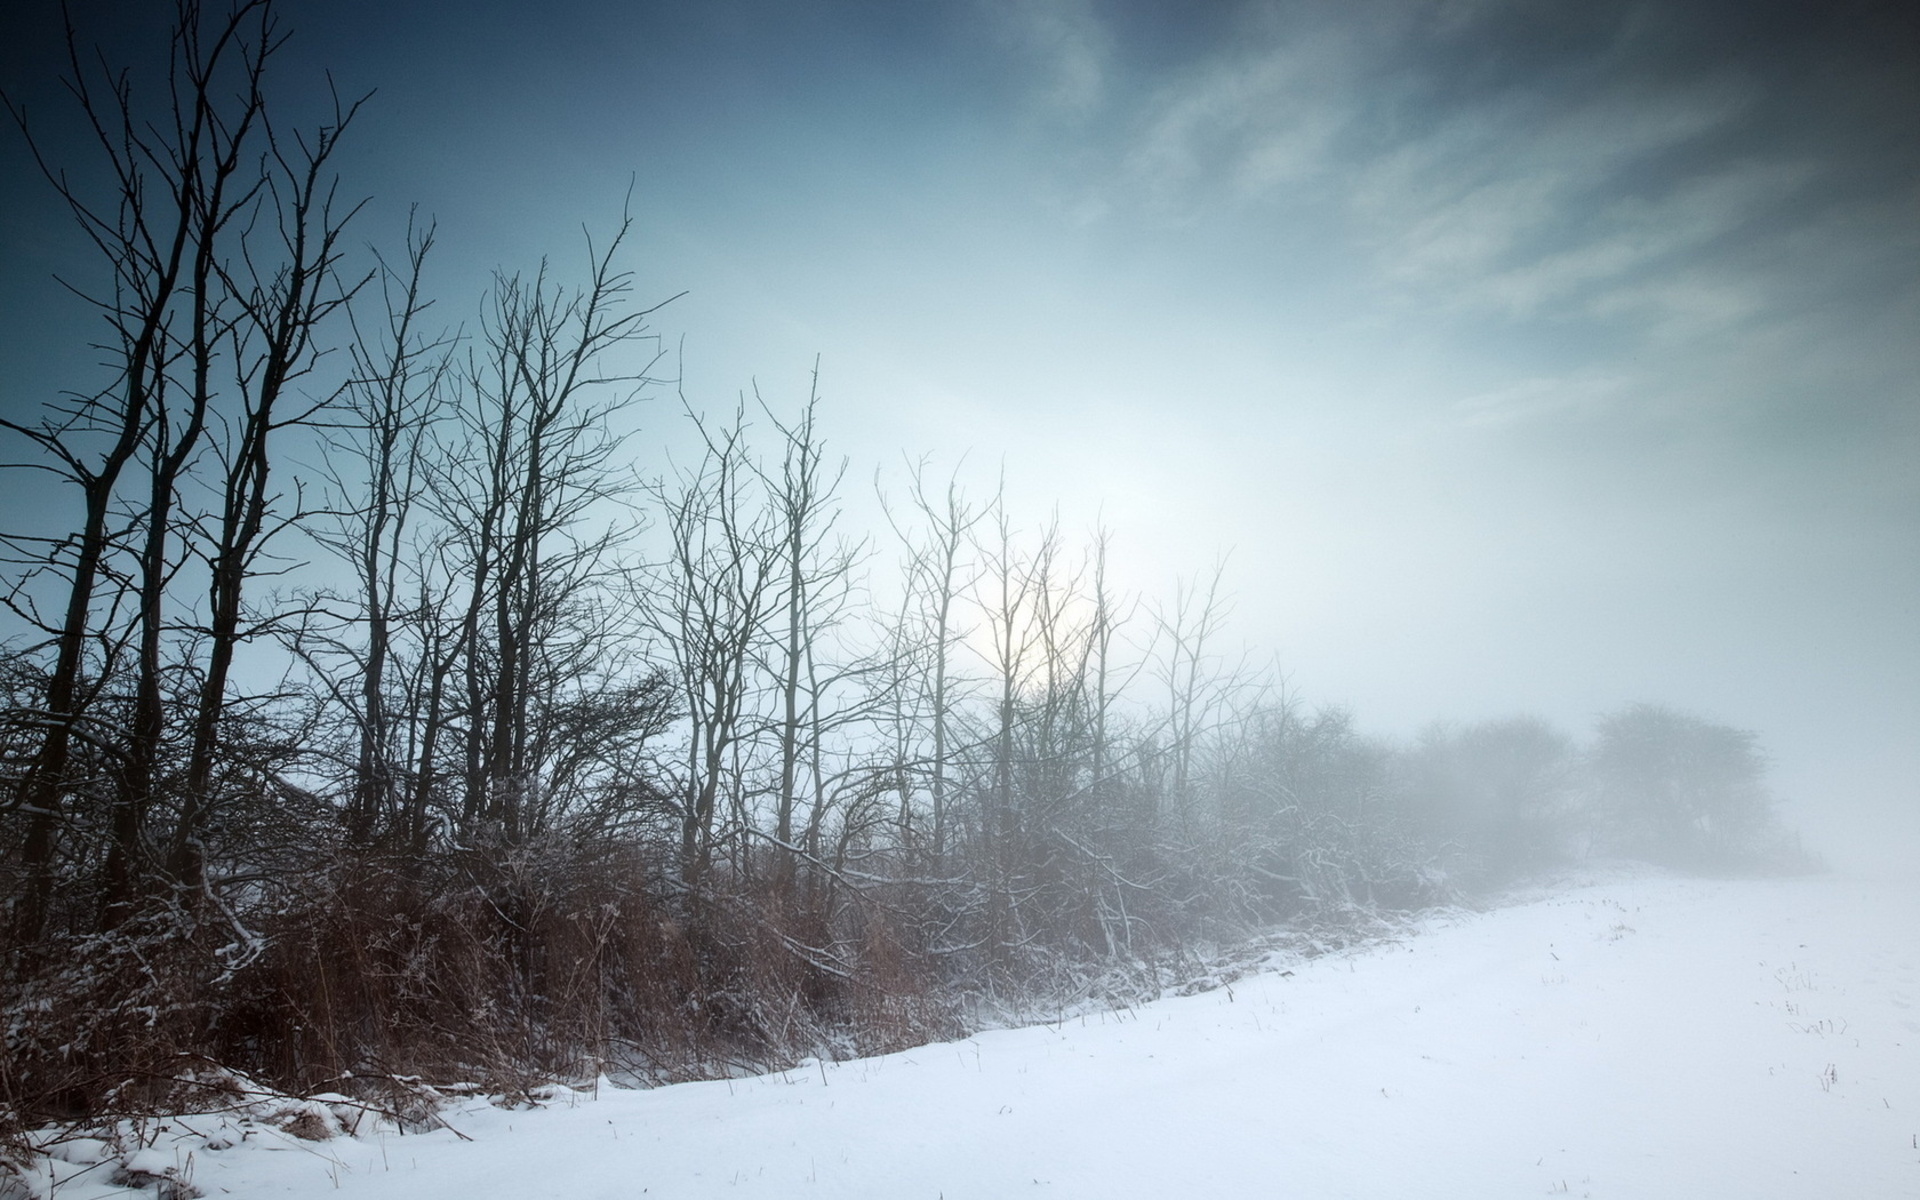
[{"x": 1520, "y": 356}]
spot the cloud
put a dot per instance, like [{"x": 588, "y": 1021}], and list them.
[
  {"x": 1651, "y": 257},
  {"x": 1505, "y": 208},
  {"x": 1544, "y": 398},
  {"x": 1585, "y": 184},
  {"x": 1246, "y": 126},
  {"x": 1070, "y": 47},
  {"x": 1614, "y": 217}
]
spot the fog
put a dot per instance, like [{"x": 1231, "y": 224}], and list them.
[
  {"x": 1519, "y": 360},
  {"x": 1343, "y": 549}
]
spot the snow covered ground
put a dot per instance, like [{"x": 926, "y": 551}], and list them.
[{"x": 1633, "y": 1037}]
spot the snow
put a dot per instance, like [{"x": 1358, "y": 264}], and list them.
[{"x": 1645, "y": 1036}]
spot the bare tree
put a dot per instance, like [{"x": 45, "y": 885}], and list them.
[
  {"x": 816, "y": 571},
  {"x": 540, "y": 458},
  {"x": 1004, "y": 593},
  {"x": 1190, "y": 672},
  {"x": 708, "y": 606},
  {"x": 938, "y": 574},
  {"x": 377, "y": 474},
  {"x": 281, "y": 301},
  {"x": 218, "y": 234}
]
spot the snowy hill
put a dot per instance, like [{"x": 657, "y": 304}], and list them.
[{"x": 1631, "y": 1037}]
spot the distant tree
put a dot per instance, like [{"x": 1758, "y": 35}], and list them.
[
  {"x": 1670, "y": 785},
  {"x": 1188, "y": 666},
  {"x": 1495, "y": 792},
  {"x": 1304, "y": 815}
]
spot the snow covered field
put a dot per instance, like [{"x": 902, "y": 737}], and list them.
[{"x": 1634, "y": 1037}]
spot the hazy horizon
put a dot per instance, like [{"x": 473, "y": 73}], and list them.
[{"x": 1519, "y": 359}]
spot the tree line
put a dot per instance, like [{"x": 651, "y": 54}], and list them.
[{"x": 370, "y": 714}]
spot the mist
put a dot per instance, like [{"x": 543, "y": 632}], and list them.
[
  {"x": 925, "y": 518},
  {"x": 1519, "y": 363}
]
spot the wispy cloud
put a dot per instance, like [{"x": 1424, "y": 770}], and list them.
[
  {"x": 1070, "y": 47},
  {"x": 1600, "y": 192},
  {"x": 1503, "y": 211},
  {"x": 1243, "y": 127},
  {"x": 1544, "y": 398},
  {"x": 1625, "y": 216}
]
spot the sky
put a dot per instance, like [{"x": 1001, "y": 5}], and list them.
[{"x": 1516, "y": 357}]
